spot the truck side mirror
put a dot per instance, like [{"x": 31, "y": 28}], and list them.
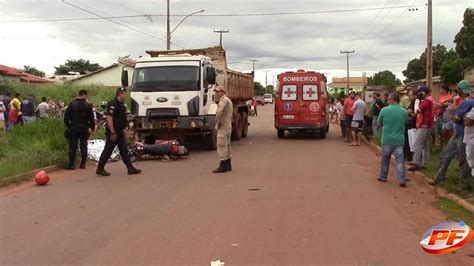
[
  {"x": 211, "y": 76},
  {"x": 124, "y": 78}
]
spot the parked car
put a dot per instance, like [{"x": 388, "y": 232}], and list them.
[
  {"x": 268, "y": 98},
  {"x": 260, "y": 100}
]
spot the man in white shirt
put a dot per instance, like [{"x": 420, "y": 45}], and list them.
[
  {"x": 358, "y": 119},
  {"x": 43, "y": 109}
]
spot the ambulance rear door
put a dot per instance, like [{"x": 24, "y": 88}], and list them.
[
  {"x": 311, "y": 104},
  {"x": 288, "y": 104}
]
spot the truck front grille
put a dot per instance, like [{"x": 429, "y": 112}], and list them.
[{"x": 162, "y": 112}]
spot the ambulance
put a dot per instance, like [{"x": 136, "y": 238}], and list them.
[{"x": 301, "y": 103}]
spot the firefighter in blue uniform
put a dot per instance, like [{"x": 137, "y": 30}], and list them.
[{"x": 115, "y": 136}]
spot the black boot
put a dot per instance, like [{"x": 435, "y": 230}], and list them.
[
  {"x": 133, "y": 171},
  {"x": 102, "y": 172},
  {"x": 222, "y": 167},
  {"x": 229, "y": 165},
  {"x": 83, "y": 164},
  {"x": 70, "y": 166}
]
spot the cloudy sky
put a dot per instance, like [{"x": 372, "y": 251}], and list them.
[{"x": 386, "y": 35}]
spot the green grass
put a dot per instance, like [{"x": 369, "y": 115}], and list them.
[
  {"x": 455, "y": 212},
  {"x": 451, "y": 183},
  {"x": 29, "y": 147},
  {"x": 42, "y": 143},
  {"x": 34, "y": 146}
]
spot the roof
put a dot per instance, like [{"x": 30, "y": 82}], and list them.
[
  {"x": 376, "y": 88},
  {"x": 352, "y": 80},
  {"x": 24, "y": 77},
  {"x": 95, "y": 72},
  {"x": 436, "y": 79},
  {"x": 9, "y": 71}
]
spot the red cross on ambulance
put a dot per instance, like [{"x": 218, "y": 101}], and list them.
[
  {"x": 310, "y": 92},
  {"x": 289, "y": 92}
]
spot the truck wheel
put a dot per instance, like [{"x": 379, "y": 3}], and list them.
[
  {"x": 245, "y": 124},
  {"x": 211, "y": 140},
  {"x": 281, "y": 133},
  {"x": 237, "y": 130},
  {"x": 322, "y": 134}
]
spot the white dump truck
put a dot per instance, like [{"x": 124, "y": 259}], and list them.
[{"x": 173, "y": 95}]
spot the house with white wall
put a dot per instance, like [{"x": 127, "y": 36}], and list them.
[{"x": 110, "y": 76}]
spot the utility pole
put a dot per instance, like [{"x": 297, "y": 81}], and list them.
[
  {"x": 266, "y": 80},
  {"x": 429, "y": 48},
  {"x": 220, "y": 33},
  {"x": 168, "y": 32},
  {"x": 253, "y": 65},
  {"x": 347, "y": 54}
]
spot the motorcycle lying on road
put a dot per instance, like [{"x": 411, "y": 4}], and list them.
[{"x": 164, "y": 150}]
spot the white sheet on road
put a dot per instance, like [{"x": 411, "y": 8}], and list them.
[{"x": 95, "y": 148}]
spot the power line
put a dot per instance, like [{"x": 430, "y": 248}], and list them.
[
  {"x": 115, "y": 22},
  {"x": 72, "y": 19},
  {"x": 8, "y": 38},
  {"x": 122, "y": 20},
  {"x": 209, "y": 15},
  {"x": 385, "y": 28},
  {"x": 367, "y": 34},
  {"x": 368, "y": 26}
]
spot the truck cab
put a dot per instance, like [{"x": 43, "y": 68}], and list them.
[
  {"x": 301, "y": 103},
  {"x": 173, "y": 94}
]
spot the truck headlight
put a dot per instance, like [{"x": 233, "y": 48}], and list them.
[{"x": 196, "y": 123}]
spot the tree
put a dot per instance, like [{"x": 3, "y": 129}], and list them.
[
  {"x": 415, "y": 70},
  {"x": 440, "y": 55},
  {"x": 385, "y": 78},
  {"x": 270, "y": 89},
  {"x": 82, "y": 66},
  {"x": 465, "y": 38},
  {"x": 451, "y": 70},
  {"x": 33, "y": 71},
  {"x": 259, "y": 89}
]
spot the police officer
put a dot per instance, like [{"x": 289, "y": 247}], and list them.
[
  {"x": 79, "y": 120},
  {"x": 115, "y": 135},
  {"x": 224, "y": 129}
]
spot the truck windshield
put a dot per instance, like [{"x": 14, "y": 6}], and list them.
[{"x": 166, "y": 78}]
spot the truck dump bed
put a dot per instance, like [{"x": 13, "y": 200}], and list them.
[{"x": 239, "y": 86}]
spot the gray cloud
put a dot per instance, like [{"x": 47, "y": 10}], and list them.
[{"x": 310, "y": 41}]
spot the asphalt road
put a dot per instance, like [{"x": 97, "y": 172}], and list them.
[{"x": 300, "y": 200}]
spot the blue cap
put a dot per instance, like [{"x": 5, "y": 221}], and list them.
[{"x": 424, "y": 89}]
